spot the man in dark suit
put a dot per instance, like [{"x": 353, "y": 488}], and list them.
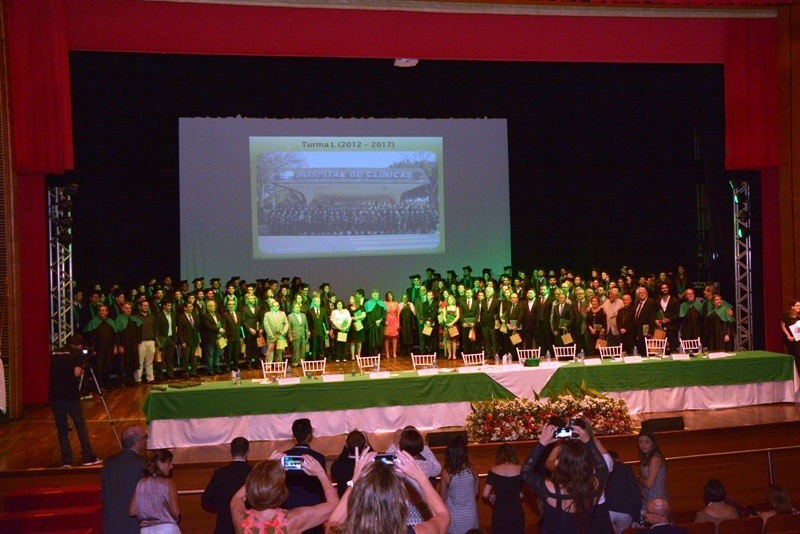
[
  {"x": 319, "y": 326},
  {"x": 233, "y": 334},
  {"x": 416, "y": 295},
  {"x": 251, "y": 315},
  {"x": 542, "y": 310},
  {"x": 304, "y": 490},
  {"x": 121, "y": 472},
  {"x": 469, "y": 319},
  {"x": 563, "y": 319},
  {"x": 670, "y": 309},
  {"x": 626, "y": 325},
  {"x": 189, "y": 338},
  {"x": 659, "y": 516},
  {"x": 224, "y": 483},
  {"x": 430, "y": 313},
  {"x": 644, "y": 318},
  {"x": 166, "y": 324},
  {"x": 490, "y": 319},
  {"x": 212, "y": 328},
  {"x": 514, "y": 316},
  {"x": 528, "y": 320}
]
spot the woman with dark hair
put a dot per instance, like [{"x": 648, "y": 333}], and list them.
[
  {"x": 377, "y": 499},
  {"x": 652, "y": 479},
  {"x": 716, "y": 510},
  {"x": 570, "y": 494},
  {"x": 502, "y": 490},
  {"x": 788, "y": 320},
  {"x": 265, "y": 489},
  {"x": 155, "y": 501},
  {"x": 459, "y": 487},
  {"x": 408, "y": 321},
  {"x": 595, "y": 326},
  {"x": 410, "y": 440}
]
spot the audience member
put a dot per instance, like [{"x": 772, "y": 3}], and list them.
[
  {"x": 716, "y": 510},
  {"x": 778, "y": 501},
  {"x": 155, "y": 500},
  {"x": 459, "y": 487},
  {"x": 652, "y": 479},
  {"x": 265, "y": 489},
  {"x": 570, "y": 494},
  {"x": 118, "y": 479},
  {"x": 502, "y": 490},
  {"x": 377, "y": 499},
  {"x": 410, "y": 440},
  {"x": 623, "y": 495},
  {"x": 342, "y": 468},
  {"x": 304, "y": 489},
  {"x": 223, "y": 485},
  {"x": 658, "y": 515}
]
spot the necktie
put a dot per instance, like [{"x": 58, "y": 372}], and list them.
[
  {"x": 560, "y": 308},
  {"x": 234, "y": 317},
  {"x": 191, "y": 320},
  {"x": 639, "y": 309}
]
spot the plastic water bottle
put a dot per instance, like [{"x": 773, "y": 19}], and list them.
[
  {"x": 547, "y": 355},
  {"x": 505, "y": 359},
  {"x": 635, "y": 351},
  {"x": 435, "y": 365},
  {"x": 582, "y": 355},
  {"x": 239, "y": 377},
  {"x": 496, "y": 359},
  {"x": 233, "y": 377}
]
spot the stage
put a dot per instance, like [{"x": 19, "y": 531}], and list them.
[{"x": 216, "y": 411}]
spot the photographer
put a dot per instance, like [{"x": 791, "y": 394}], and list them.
[{"x": 66, "y": 367}]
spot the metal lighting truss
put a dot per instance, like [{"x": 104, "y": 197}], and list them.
[
  {"x": 59, "y": 233},
  {"x": 742, "y": 257}
]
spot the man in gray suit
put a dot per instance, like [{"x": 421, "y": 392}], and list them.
[
  {"x": 298, "y": 334},
  {"x": 118, "y": 480},
  {"x": 276, "y": 326}
]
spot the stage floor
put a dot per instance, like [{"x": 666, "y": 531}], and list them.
[{"x": 30, "y": 443}]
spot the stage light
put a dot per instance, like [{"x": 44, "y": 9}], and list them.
[
  {"x": 742, "y": 232},
  {"x": 733, "y": 183},
  {"x": 740, "y": 198}
]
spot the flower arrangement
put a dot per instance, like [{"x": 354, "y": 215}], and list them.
[{"x": 523, "y": 419}]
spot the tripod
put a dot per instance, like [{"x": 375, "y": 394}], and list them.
[{"x": 88, "y": 366}]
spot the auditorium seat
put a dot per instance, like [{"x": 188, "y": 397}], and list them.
[
  {"x": 779, "y": 523},
  {"x": 698, "y": 528},
  {"x": 742, "y": 525}
]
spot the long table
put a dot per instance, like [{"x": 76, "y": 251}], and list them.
[{"x": 215, "y": 412}]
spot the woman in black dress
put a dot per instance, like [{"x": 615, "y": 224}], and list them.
[
  {"x": 408, "y": 322},
  {"x": 595, "y": 326},
  {"x": 502, "y": 491}
]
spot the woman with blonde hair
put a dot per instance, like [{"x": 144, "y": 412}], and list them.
[{"x": 376, "y": 501}]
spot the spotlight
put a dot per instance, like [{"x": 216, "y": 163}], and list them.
[
  {"x": 740, "y": 198},
  {"x": 742, "y": 232},
  {"x": 733, "y": 183}
]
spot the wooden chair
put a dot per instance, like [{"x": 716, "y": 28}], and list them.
[
  {"x": 611, "y": 352},
  {"x": 779, "y": 523},
  {"x": 699, "y": 528},
  {"x": 742, "y": 525},
  {"x": 476, "y": 358},
  {"x": 314, "y": 366},
  {"x": 656, "y": 347},
  {"x": 421, "y": 361},
  {"x": 274, "y": 368},
  {"x": 524, "y": 354},
  {"x": 689, "y": 346},
  {"x": 369, "y": 363},
  {"x": 566, "y": 352}
]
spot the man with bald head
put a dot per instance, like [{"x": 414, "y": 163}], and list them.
[
  {"x": 118, "y": 480},
  {"x": 658, "y": 515}
]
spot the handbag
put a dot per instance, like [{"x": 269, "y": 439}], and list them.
[
  {"x": 281, "y": 344},
  {"x": 453, "y": 331},
  {"x": 341, "y": 337},
  {"x": 471, "y": 335},
  {"x": 222, "y": 343},
  {"x": 566, "y": 339},
  {"x": 516, "y": 339},
  {"x": 261, "y": 342},
  {"x": 660, "y": 334},
  {"x": 601, "y": 343}
]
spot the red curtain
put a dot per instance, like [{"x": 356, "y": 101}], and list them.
[
  {"x": 751, "y": 95},
  {"x": 41, "y": 116}
]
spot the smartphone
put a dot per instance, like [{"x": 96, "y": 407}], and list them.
[
  {"x": 385, "y": 458},
  {"x": 292, "y": 463},
  {"x": 563, "y": 432}
]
